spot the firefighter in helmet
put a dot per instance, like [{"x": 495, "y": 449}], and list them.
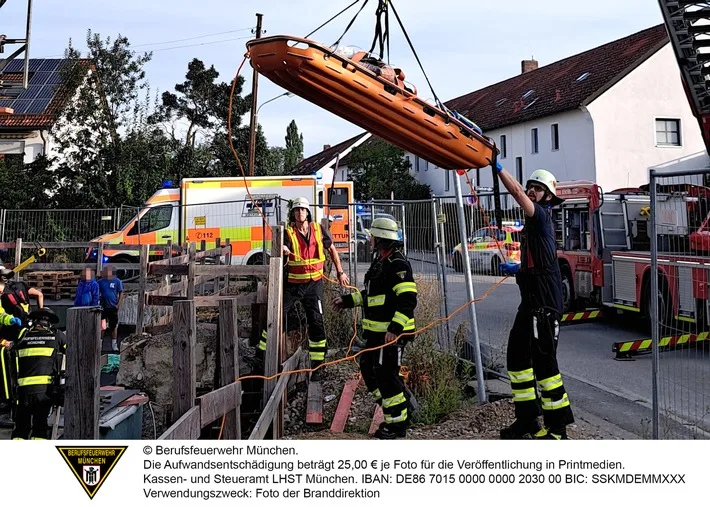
[
  {"x": 10, "y": 327},
  {"x": 532, "y": 344},
  {"x": 38, "y": 375},
  {"x": 305, "y": 244},
  {"x": 389, "y": 300}
]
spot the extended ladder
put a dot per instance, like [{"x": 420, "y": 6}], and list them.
[{"x": 688, "y": 25}]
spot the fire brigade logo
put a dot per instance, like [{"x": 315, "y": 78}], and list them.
[
  {"x": 91, "y": 465},
  {"x": 402, "y": 274}
]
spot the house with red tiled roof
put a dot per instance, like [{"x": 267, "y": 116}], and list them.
[
  {"x": 331, "y": 158},
  {"x": 28, "y": 116},
  {"x": 609, "y": 114}
]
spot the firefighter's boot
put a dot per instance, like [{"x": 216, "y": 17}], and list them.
[{"x": 520, "y": 429}]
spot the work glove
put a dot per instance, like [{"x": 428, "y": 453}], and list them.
[
  {"x": 14, "y": 321},
  {"x": 509, "y": 268}
]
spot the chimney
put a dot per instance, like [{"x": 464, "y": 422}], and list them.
[
  {"x": 528, "y": 65},
  {"x": 326, "y": 147}
]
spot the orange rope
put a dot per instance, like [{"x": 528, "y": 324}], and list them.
[{"x": 347, "y": 357}]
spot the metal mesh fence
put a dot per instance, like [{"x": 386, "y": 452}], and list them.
[
  {"x": 680, "y": 254},
  {"x": 61, "y": 224}
]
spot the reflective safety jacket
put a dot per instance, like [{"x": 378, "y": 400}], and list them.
[
  {"x": 37, "y": 364},
  {"x": 307, "y": 258},
  {"x": 4, "y": 316},
  {"x": 389, "y": 298}
]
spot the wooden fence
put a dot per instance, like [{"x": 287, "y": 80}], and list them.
[{"x": 190, "y": 413}]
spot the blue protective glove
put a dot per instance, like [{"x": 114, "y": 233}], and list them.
[
  {"x": 509, "y": 268},
  {"x": 499, "y": 167},
  {"x": 14, "y": 321}
]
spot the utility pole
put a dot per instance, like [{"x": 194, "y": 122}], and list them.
[{"x": 254, "y": 90}]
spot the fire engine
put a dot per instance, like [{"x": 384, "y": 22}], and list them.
[{"x": 603, "y": 242}]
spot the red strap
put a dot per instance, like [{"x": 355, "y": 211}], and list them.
[{"x": 12, "y": 299}]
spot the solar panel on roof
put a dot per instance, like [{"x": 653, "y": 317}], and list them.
[
  {"x": 20, "y": 106},
  {"x": 37, "y": 106},
  {"x": 30, "y": 93},
  {"x": 15, "y": 65},
  {"x": 40, "y": 78},
  {"x": 50, "y": 65},
  {"x": 5, "y": 103},
  {"x": 55, "y": 78},
  {"x": 47, "y": 92},
  {"x": 35, "y": 64}
]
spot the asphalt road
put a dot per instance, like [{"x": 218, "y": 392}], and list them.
[{"x": 619, "y": 392}]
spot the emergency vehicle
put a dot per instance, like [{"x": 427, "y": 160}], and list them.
[
  {"x": 487, "y": 245},
  {"x": 604, "y": 250},
  {"x": 210, "y": 208}
]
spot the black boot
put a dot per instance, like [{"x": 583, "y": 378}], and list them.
[
  {"x": 520, "y": 429},
  {"x": 390, "y": 431},
  {"x": 316, "y": 374},
  {"x": 553, "y": 434}
]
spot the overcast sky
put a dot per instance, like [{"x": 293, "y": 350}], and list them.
[{"x": 463, "y": 45}]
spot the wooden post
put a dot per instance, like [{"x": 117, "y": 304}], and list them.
[
  {"x": 274, "y": 342},
  {"x": 100, "y": 259},
  {"x": 184, "y": 342},
  {"x": 191, "y": 271},
  {"x": 140, "y": 318},
  {"x": 228, "y": 261},
  {"x": 228, "y": 347},
  {"x": 203, "y": 247},
  {"x": 18, "y": 255},
  {"x": 217, "y": 282},
  {"x": 81, "y": 416}
]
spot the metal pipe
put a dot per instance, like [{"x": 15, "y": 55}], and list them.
[
  {"x": 25, "y": 81},
  {"x": 254, "y": 93},
  {"x": 655, "y": 358},
  {"x": 440, "y": 264},
  {"x": 482, "y": 397}
]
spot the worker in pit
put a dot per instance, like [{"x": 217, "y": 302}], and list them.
[
  {"x": 305, "y": 244},
  {"x": 532, "y": 344},
  {"x": 14, "y": 303},
  {"x": 38, "y": 375},
  {"x": 389, "y": 300}
]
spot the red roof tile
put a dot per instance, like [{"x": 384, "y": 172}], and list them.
[{"x": 556, "y": 87}]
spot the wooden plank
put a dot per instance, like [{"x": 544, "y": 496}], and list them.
[
  {"x": 269, "y": 411},
  {"x": 228, "y": 347},
  {"x": 184, "y": 342},
  {"x": 223, "y": 269},
  {"x": 219, "y": 402},
  {"x": 141, "y": 289},
  {"x": 100, "y": 259},
  {"x": 167, "y": 254},
  {"x": 343, "y": 411},
  {"x": 162, "y": 269},
  {"x": 274, "y": 324},
  {"x": 377, "y": 419},
  {"x": 191, "y": 253},
  {"x": 187, "y": 427},
  {"x": 178, "y": 259},
  {"x": 72, "y": 266},
  {"x": 277, "y": 240},
  {"x": 81, "y": 418},
  {"x": 314, "y": 403},
  {"x": 201, "y": 301}
]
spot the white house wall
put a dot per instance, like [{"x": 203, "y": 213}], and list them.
[
  {"x": 32, "y": 146},
  {"x": 574, "y": 160},
  {"x": 625, "y": 118}
]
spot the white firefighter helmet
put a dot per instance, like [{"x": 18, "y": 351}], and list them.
[
  {"x": 385, "y": 228},
  {"x": 300, "y": 202},
  {"x": 546, "y": 179}
]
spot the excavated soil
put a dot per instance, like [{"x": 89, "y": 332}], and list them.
[{"x": 470, "y": 422}]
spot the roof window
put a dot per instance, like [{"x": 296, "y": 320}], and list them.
[
  {"x": 528, "y": 93},
  {"x": 583, "y": 77},
  {"x": 500, "y": 102}
]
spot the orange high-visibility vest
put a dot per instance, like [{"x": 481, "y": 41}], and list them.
[{"x": 307, "y": 258}]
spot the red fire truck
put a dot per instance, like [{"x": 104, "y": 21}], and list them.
[{"x": 604, "y": 249}]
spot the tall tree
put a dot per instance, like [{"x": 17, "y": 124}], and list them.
[
  {"x": 378, "y": 169},
  {"x": 293, "y": 153}
]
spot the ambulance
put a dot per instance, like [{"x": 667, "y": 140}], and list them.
[{"x": 211, "y": 208}]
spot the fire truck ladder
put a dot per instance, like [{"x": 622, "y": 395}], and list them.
[{"x": 688, "y": 25}]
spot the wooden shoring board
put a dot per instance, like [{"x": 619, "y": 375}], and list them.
[
  {"x": 343, "y": 411},
  {"x": 314, "y": 405},
  {"x": 377, "y": 419}
]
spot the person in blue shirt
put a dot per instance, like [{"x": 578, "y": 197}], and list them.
[
  {"x": 111, "y": 298},
  {"x": 87, "y": 292}
]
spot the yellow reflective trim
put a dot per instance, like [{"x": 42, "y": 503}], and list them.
[
  {"x": 6, "y": 387},
  {"x": 36, "y": 352},
  {"x": 394, "y": 400},
  {"x": 372, "y": 325},
  {"x": 403, "y": 287},
  {"x": 522, "y": 376},
  {"x": 685, "y": 319},
  {"x": 320, "y": 344},
  {"x": 376, "y": 394},
  {"x": 550, "y": 383},
  {"x": 629, "y": 308},
  {"x": 548, "y": 404},
  {"x": 265, "y": 183},
  {"x": 376, "y": 300},
  {"x": 357, "y": 298},
  {"x": 400, "y": 318},
  {"x": 34, "y": 381},
  {"x": 306, "y": 276},
  {"x": 400, "y": 418},
  {"x": 317, "y": 356}
]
